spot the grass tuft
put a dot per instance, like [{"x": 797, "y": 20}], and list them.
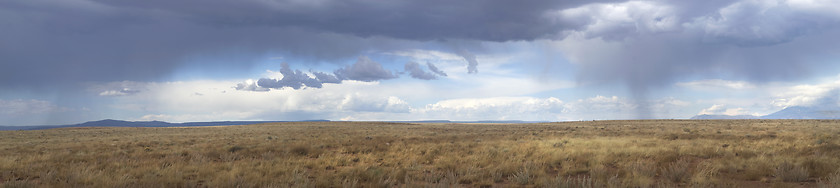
[
  {"x": 677, "y": 171},
  {"x": 788, "y": 172}
]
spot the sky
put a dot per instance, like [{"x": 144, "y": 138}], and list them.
[{"x": 72, "y": 61}]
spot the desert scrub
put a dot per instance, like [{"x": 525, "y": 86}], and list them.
[{"x": 714, "y": 153}]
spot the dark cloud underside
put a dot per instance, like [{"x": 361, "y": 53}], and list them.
[
  {"x": 294, "y": 79},
  {"x": 364, "y": 69},
  {"x": 435, "y": 70},
  {"x": 415, "y": 71},
  {"x": 93, "y": 40}
]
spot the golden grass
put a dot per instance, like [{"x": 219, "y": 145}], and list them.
[{"x": 644, "y": 153}]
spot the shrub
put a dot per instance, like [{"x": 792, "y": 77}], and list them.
[
  {"x": 522, "y": 177},
  {"x": 677, "y": 171},
  {"x": 791, "y": 173},
  {"x": 831, "y": 181},
  {"x": 642, "y": 168},
  {"x": 301, "y": 150},
  {"x": 235, "y": 149},
  {"x": 569, "y": 182}
]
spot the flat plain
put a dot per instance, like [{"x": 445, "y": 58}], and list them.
[{"x": 632, "y": 153}]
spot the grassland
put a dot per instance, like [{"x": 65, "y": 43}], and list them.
[{"x": 645, "y": 153}]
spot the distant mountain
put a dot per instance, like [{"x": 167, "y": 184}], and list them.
[
  {"x": 121, "y": 123},
  {"x": 793, "y": 112},
  {"x": 802, "y": 112},
  {"x": 708, "y": 116}
]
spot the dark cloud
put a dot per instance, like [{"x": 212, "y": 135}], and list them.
[
  {"x": 472, "y": 63},
  {"x": 364, "y": 70},
  {"x": 495, "y": 20},
  {"x": 715, "y": 42},
  {"x": 250, "y": 86},
  {"x": 760, "y": 23},
  {"x": 750, "y": 40},
  {"x": 435, "y": 70},
  {"x": 81, "y": 41},
  {"x": 294, "y": 79},
  {"x": 326, "y": 78},
  {"x": 415, "y": 71},
  {"x": 112, "y": 40}
]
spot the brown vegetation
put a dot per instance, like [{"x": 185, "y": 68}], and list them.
[{"x": 645, "y": 153}]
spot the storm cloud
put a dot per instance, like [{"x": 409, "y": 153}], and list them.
[
  {"x": 294, "y": 79},
  {"x": 648, "y": 45},
  {"x": 364, "y": 69},
  {"x": 472, "y": 63},
  {"x": 435, "y": 70},
  {"x": 95, "y": 40},
  {"x": 415, "y": 71},
  {"x": 98, "y": 40}
]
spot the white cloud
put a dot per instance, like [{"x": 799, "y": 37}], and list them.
[
  {"x": 178, "y": 102},
  {"x": 121, "y": 92},
  {"x": 360, "y": 103},
  {"x": 719, "y": 109},
  {"x": 669, "y": 102},
  {"x": 826, "y": 7},
  {"x": 808, "y": 94},
  {"x": 716, "y": 84},
  {"x": 251, "y": 85},
  {"x": 546, "y": 109},
  {"x": 194, "y": 117},
  {"x": 273, "y": 74},
  {"x": 357, "y": 100},
  {"x": 495, "y": 108},
  {"x": 618, "y": 20},
  {"x": 766, "y": 98},
  {"x": 122, "y": 88}
]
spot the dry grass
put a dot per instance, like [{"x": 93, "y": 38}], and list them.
[{"x": 649, "y": 153}]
